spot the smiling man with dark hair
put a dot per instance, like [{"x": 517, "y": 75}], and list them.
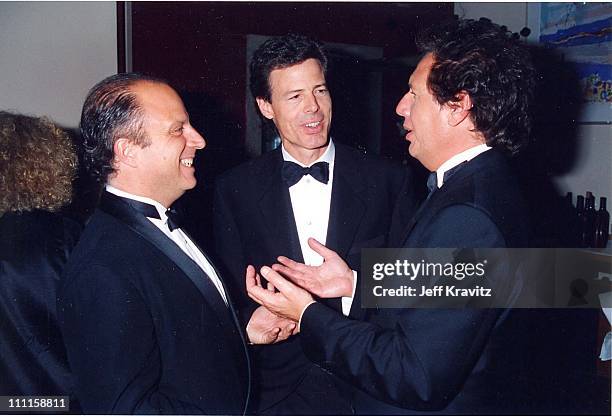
[{"x": 310, "y": 187}]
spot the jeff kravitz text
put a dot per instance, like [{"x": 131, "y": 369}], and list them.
[
  {"x": 426, "y": 273},
  {"x": 435, "y": 291}
]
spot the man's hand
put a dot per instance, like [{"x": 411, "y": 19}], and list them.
[
  {"x": 331, "y": 279},
  {"x": 265, "y": 327},
  {"x": 288, "y": 302}
]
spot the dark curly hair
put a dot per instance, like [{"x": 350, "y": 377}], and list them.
[
  {"x": 38, "y": 163},
  {"x": 281, "y": 52},
  {"x": 494, "y": 67},
  {"x": 111, "y": 111}
]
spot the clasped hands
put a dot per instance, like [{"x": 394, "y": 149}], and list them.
[{"x": 290, "y": 289}]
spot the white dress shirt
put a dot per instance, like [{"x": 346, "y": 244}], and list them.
[
  {"x": 177, "y": 236},
  {"x": 311, "y": 200},
  {"x": 455, "y": 160}
]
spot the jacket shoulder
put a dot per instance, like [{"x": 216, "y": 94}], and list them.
[
  {"x": 104, "y": 239},
  {"x": 249, "y": 169},
  {"x": 368, "y": 163}
]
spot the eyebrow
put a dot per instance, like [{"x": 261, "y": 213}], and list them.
[
  {"x": 294, "y": 91},
  {"x": 299, "y": 90},
  {"x": 176, "y": 124}
]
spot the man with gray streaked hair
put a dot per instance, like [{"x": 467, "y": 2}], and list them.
[{"x": 148, "y": 325}]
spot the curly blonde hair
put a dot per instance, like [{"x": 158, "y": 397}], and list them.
[{"x": 38, "y": 163}]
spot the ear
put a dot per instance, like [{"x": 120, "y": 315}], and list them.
[
  {"x": 124, "y": 152},
  {"x": 265, "y": 107},
  {"x": 459, "y": 110}
]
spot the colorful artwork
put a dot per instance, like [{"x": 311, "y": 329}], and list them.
[{"x": 582, "y": 32}]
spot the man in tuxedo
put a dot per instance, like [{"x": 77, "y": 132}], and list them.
[
  {"x": 148, "y": 324},
  {"x": 467, "y": 104},
  {"x": 309, "y": 187}
]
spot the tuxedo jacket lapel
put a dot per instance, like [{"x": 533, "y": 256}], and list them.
[
  {"x": 277, "y": 212},
  {"x": 347, "y": 208},
  {"x": 227, "y": 293},
  {"x": 117, "y": 207},
  {"x": 400, "y": 239}
]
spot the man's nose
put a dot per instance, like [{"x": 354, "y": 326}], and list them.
[
  {"x": 403, "y": 107},
  {"x": 196, "y": 140},
  {"x": 311, "y": 104}
]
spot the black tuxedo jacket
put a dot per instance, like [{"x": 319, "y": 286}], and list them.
[
  {"x": 254, "y": 224},
  {"x": 480, "y": 205},
  {"x": 146, "y": 331},
  {"x": 453, "y": 361}
]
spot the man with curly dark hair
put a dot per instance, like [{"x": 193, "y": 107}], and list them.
[
  {"x": 467, "y": 105},
  {"x": 471, "y": 59},
  {"x": 37, "y": 166}
]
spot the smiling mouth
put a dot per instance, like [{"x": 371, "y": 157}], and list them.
[
  {"x": 313, "y": 124},
  {"x": 188, "y": 162}
]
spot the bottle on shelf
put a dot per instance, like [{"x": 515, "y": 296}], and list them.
[
  {"x": 588, "y": 221},
  {"x": 579, "y": 205},
  {"x": 579, "y": 220},
  {"x": 587, "y": 230},
  {"x": 602, "y": 224}
]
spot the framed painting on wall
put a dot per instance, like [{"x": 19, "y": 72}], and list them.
[{"x": 582, "y": 34}]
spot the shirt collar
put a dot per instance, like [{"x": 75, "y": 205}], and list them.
[
  {"x": 328, "y": 156},
  {"x": 158, "y": 206},
  {"x": 455, "y": 160}
]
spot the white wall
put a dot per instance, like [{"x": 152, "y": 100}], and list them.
[
  {"x": 592, "y": 170},
  {"x": 593, "y": 165},
  {"x": 52, "y": 53}
]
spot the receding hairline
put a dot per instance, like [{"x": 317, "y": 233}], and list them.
[{"x": 138, "y": 85}]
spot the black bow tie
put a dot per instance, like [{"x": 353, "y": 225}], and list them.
[
  {"x": 293, "y": 173},
  {"x": 175, "y": 219},
  {"x": 148, "y": 210}
]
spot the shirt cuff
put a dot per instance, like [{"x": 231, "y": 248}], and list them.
[
  {"x": 246, "y": 329},
  {"x": 347, "y": 302},
  {"x": 302, "y": 313}
]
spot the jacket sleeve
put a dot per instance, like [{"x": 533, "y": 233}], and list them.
[
  {"x": 419, "y": 361},
  {"x": 412, "y": 358}
]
